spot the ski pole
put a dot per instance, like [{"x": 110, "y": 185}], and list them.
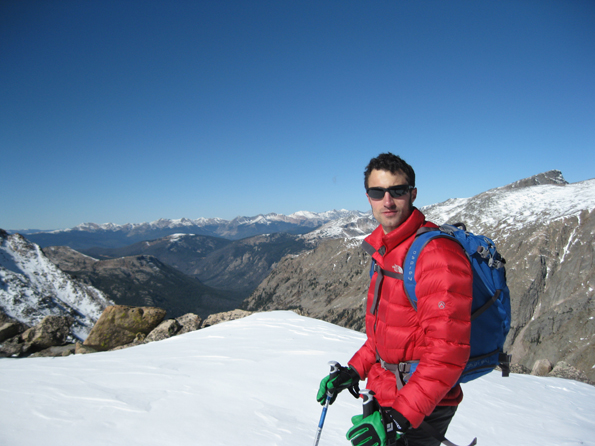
[
  {"x": 329, "y": 395},
  {"x": 369, "y": 405}
]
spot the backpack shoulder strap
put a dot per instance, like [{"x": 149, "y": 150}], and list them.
[
  {"x": 368, "y": 248},
  {"x": 422, "y": 238}
]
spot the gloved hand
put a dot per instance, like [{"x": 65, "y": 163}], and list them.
[
  {"x": 367, "y": 431},
  {"x": 345, "y": 378},
  {"x": 395, "y": 424},
  {"x": 385, "y": 427}
]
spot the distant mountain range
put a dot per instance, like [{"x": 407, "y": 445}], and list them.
[{"x": 109, "y": 235}]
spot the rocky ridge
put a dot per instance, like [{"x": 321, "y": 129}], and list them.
[
  {"x": 32, "y": 287},
  {"x": 118, "y": 327},
  {"x": 143, "y": 280}
]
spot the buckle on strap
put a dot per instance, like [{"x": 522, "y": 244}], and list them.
[{"x": 402, "y": 370}]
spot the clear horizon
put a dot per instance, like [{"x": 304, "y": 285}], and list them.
[{"x": 129, "y": 111}]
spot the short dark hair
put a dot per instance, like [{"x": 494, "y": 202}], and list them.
[{"x": 391, "y": 163}]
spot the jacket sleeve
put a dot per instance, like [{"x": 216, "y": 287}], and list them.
[
  {"x": 444, "y": 292},
  {"x": 364, "y": 359}
]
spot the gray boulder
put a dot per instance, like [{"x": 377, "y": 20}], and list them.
[
  {"x": 10, "y": 329},
  {"x": 80, "y": 349},
  {"x": 164, "y": 330},
  {"x": 12, "y": 347},
  {"x": 189, "y": 322},
  {"x": 62, "y": 350},
  {"x": 541, "y": 367},
  {"x": 50, "y": 332},
  {"x": 174, "y": 327},
  {"x": 217, "y": 318}
]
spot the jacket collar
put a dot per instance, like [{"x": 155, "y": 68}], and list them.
[{"x": 394, "y": 238}]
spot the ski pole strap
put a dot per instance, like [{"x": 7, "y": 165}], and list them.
[{"x": 438, "y": 436}]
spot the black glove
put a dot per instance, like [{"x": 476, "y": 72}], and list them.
[
  {"x": 344, "y": 378},
  {"x": 396, "y": 425}
]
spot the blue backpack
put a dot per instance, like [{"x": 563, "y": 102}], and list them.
[{"x": 490, "y": 310}]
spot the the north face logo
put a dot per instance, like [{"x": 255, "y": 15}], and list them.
[{"x": 397, "y": 269}]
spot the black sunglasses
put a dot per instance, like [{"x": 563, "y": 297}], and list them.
[{"x": 377, "y": 193}]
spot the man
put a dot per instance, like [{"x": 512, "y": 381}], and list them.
[{"x": 431, "y": 345}]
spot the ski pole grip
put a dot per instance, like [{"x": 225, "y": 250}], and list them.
[
  {"x": 369, "y": 400},
  {"x": 334, "y": 372},
  {"x": 334, "y": 368}
]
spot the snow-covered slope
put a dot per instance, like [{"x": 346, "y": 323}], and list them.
[
  {"x": 32, "y": 287},
  {"x": 253, "y": 382}
]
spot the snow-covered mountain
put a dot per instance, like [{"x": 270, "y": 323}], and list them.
[
  {"x": 355, "y": 225},
  {"x": 305, "y": 218},
  {"x": 32, "y": 287},
  {"x": 110, "y": 235},
  {"x": 536, "y": 200},
  {"x": 533, "y": 201},
  {"x": 253, "y": 382}
]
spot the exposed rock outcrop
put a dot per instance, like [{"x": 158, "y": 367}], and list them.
[
  {"x": 118, "y": 328},
  {"x": 52, "y": 331},
  {"x": 214, "y": 319},
  {"x": 120, "y": 325},
  {"x": 164, "y": 330},
  {"x": 541, "y": 367},
  {"x": 565, "y": 370},
  {"x": 188, "y": 322},
  {"x": 10, "y": 329},
  {"x": 31, "y": 287}
]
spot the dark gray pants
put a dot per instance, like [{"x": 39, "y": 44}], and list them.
[{"x": 439, "y": 420}]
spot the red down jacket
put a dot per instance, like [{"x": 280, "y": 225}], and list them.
[{"x": 437, "y": 334}]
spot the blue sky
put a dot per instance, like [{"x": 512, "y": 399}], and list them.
[{"x": 130, "y": 111}]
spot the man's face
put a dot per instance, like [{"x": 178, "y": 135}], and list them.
[{"x": 388, "y": 211}]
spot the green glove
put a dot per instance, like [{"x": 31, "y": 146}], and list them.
[
  {"x": 367, "y": 431},
  {"x": 372, "y": 430},
  {"x": 345, "y": 378}
]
